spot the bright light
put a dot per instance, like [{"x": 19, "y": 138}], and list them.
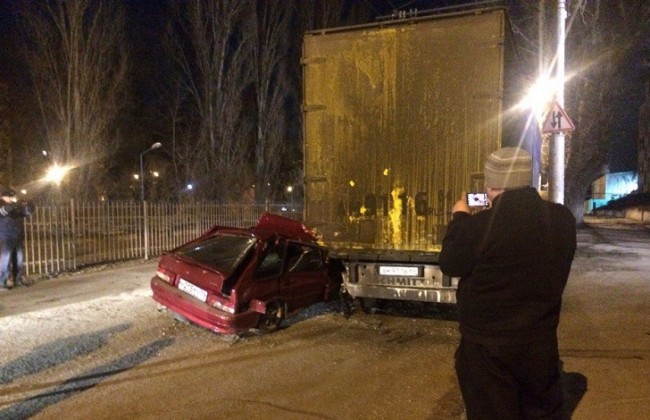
[
  {"x": 189, "y": 187},
  {"x": 386, "y": 171},
  {"x": 56, "y": 174},
  {"x": 155, "y": 173},
  {"x": 290, "y": 189},
  {"x": 352, "y": 183},
  {"x": 136, "y": 176},
  {"x": 44, "y": 152},
  {"x": 23, "y": 191},
  {"x": 540, "y": 96}
]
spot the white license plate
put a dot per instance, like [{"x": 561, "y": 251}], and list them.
[
  {"x": 397, "y": 270},
  {"x": 193, "y": 290}
]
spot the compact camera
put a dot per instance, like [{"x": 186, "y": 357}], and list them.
[{"x": 477, "y": 200}]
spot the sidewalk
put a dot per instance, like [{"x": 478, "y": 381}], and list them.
[
  {"x": 617, "y": 222},
  {"x": 84, "y": 285}
]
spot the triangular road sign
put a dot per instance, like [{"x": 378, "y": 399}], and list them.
[{"x": 557, "y": 120}]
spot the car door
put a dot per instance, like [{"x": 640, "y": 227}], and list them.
[
  {"x": 268, "y": 274},
  {"x": 305, "y": 277}
]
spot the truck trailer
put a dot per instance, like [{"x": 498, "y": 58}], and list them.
[{"x": 398, "y": 117}]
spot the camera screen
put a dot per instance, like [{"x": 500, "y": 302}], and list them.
[{"x": 477, "y": 200}]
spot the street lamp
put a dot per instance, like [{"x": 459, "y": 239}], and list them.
[
  {"x": 144, "y": 204},
  {"x": 153, "y": 146}
]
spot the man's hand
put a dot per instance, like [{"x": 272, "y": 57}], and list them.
[{"x": 461, "y": 205}]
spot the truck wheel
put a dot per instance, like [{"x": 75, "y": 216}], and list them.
[{"x": 271, "y": 320}]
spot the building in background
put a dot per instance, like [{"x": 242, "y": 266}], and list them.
[{"x": 611, "y": 187}]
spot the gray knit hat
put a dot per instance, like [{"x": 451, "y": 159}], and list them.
[{"x": 508, "y": 167}]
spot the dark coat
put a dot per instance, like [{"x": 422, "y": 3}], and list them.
[
  {"x": 12, "y": 219},
  {"x": 513, "y": 260}
]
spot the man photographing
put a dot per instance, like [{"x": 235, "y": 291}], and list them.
[
  {"x": 513, "y": 261},
  {"x": 12, "y": 235}
]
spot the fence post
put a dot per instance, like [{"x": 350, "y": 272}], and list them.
[
  {"x": 73, "y": 228},
  {"x": 197, "y": 217},
  {"x": 146, "y": 230}
]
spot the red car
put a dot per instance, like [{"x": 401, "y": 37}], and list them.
[{"x": 231, "y": 280}]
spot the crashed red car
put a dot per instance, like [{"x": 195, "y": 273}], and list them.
[{"x": 231, "y": 280}]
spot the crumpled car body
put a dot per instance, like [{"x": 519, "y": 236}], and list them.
[{"x": 231, "y": 280}]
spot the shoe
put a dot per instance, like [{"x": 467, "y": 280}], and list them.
[{"x": 9, "y": 284}]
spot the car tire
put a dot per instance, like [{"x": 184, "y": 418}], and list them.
[{"x": 270, "y": 321}]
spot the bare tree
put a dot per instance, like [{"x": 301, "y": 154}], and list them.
[
  {"x": 318, "y": 14},
  {"x": 211, "y": 53},
  {"x": 596, "y": 54},
  {"x": 76, "y": 53},
  {"x": 269, "y": 59}
]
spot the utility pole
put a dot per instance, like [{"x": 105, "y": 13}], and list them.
[{"x": 556, "y": 161}]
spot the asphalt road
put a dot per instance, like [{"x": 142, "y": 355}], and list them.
[{"x": 93, "y": 345}]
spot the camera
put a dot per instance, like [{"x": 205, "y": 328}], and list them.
[{"x": 477, "y": 200}]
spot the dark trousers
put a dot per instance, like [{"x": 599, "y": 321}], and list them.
[
  {"x": 510, "y": 381},
  {"x": 11, "y": 259}
]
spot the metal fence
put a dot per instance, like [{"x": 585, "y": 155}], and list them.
[{"x": 67, "y": 237}]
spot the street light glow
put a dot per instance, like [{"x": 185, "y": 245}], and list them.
[
  {"x": 56, "y": 173},
  {"x": 540, "y": 96}
]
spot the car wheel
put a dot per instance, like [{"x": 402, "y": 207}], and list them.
[{"x": 271, "y": 320}]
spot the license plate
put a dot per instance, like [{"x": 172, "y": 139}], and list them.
[
  {"x": 193, "y": 290},
  {"x": 397, "y": 270}
]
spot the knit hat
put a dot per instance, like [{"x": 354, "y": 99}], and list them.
[
  {"x": 7, "y": 192},
  {"x": 508, "y": 167}
]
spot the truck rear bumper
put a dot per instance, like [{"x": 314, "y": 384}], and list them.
[{"x": 443, "y": 295}]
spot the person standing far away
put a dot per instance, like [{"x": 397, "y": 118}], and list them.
[
  {"x": 12, "y": 235},
  {"x": 513, "y": 260}
]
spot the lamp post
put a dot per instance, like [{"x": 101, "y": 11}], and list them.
[
  {"x": 153, "y": 147},
  {"x": 556, "y": 157},
  {"x": 144, "y": 204}
]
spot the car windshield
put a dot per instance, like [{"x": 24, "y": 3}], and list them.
[{"x": 223, "y": 252}]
